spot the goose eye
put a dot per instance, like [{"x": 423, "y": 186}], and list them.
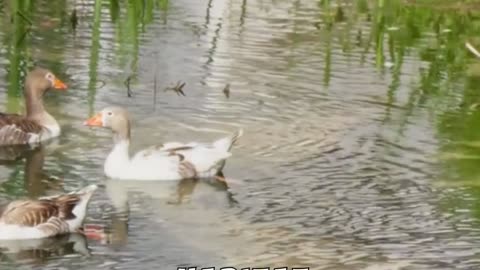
[
  {"x": 49, "y": 76},
  {"x": 109, "y": 113}
]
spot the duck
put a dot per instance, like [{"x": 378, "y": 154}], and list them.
[
  {"x": 37, "y": 124},
  {"x": 168, "y": 161},
  {"x": 46, "y": 216}
]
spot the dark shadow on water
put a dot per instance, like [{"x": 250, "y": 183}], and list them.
[
  {"x": 37, "y": 252},
  {"x": 35, "y": 181},
  {"x": 11, "y": 154}
]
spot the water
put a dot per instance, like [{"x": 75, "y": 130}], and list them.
[{"x": 361, "y": 131}]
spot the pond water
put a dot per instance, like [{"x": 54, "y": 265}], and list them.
[{"x": 362, "y": 131}]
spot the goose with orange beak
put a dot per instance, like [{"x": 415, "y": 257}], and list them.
[
  {"x": 37, "y": 124},
  {"x": 169, "y": 161}
]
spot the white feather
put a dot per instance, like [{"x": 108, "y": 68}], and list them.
[
  {"x": 8, "y": 232},
  {"x": 160, "y": 164}
]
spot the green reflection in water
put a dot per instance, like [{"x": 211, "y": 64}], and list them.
[
  {"x": 448, "y": 81},
  {"x": 136, "y": 16},
  {"x": 94, "y": 51},
  {"x": 30, "y": 20}
]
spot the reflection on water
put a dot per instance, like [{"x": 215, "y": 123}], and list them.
[
  {"x": 38, "y": 251},
  {"x": 174, "y": 193},
  {"x": 177, "y": 192},
  {"x": 361, "y": 121},
  {"x": 13, "y": 153},
  {"x": 35, "y": 181}
]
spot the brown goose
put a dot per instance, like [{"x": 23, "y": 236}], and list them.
[
  {"x": 37, "y": 125},
  {"x": 45, "y": 217}
]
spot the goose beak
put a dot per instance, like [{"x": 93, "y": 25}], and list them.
[
  {"x": 95, "y": 121},
  {"x": 59, "y": 85}
]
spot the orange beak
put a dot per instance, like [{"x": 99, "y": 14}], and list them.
[
  {"x": 94, "y": 121},
  {"x": 59, "y": 85}
]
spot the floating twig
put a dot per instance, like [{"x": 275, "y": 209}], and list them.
[
  {"x": 127, "y": 84},
  {"x": 472, "y": 49},
  {"x": 74, "y": 19},
  {"x": 102, "y": 84},
  {"x": 24, "y": 17},
  {"x": 226, "y": 90},
  {"x": 178, "y": 88}
]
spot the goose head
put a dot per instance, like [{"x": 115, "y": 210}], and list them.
[
  {"x": 115, "y": 118},
  {"x": 40, "y": 80}
]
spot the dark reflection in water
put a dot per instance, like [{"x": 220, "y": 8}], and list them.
[
  {"x": 35, "y": 182},
  {"x": 37, "y": 252},
  {"x": 11, "y": 154},
  {"x": 174, "y": 193}
]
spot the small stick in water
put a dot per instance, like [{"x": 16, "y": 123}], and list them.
[
  {"x": 472, "y": 49},
  {"x": 226, "y": 90},
  {"x": 127, "y": 84},
  {"x": 177, "y": 88},
  {"x": 74, "y": 19}
]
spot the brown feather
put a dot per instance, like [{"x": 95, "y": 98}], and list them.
[
  {"x": 66, "y": 203},
  {"x": 17, "y": 129},
  {"x": 187, "y": 170},
  {"x": 171, "y": 151},
  {"x": 53, "y": 226},
  {"x": 180, "y": 156},
  {"x": 180, "y": 148},
  {"x": 34, "y": 212}
]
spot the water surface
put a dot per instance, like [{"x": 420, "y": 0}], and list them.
[{"x": 361, "y": 143}]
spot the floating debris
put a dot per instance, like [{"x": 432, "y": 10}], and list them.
[
  {"x": 102, "y": 83},
  {"x": 74, "y": 19},
  {"x": 358, "y": 38},
  {"x": 339, "y": 15},
  {"x": 127, "y": 84},
  {"x": 472, "y": 49},
  {"x": 226, "y": 90},
  {"x": 178, "y": 88},
  {"x": 388, "y": 64}
]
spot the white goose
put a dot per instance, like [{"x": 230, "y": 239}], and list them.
[
  {"x": 170, "y": 161},
  {"x": 45, "y": 217}
]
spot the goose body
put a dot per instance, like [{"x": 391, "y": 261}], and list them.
[
  {"x": 45, "y": 217},
  {"x": 170, "y": 161},
  {"x": 37, "y": 125}
]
